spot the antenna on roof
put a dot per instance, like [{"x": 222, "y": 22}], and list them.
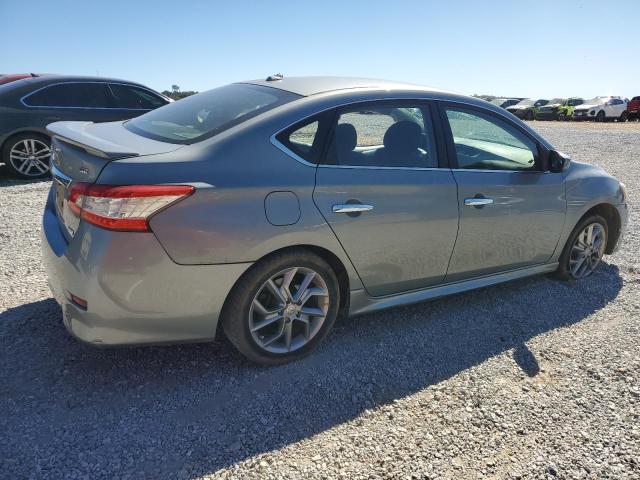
[{"x": 275, "y": 78}]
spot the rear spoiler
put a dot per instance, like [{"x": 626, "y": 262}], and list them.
[{"x": 77, "y": 134}]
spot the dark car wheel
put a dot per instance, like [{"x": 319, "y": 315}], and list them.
[
  {"x": 624, "y": 117},
  {"x": 27, "y": 155},
  {"x": 584, "y": 249},
  {"x": 562, "y": 117},
  {"x": 600, "y": 116},
  {"x": 282, "y": 307},
  {"x": 529, "y": 115}
]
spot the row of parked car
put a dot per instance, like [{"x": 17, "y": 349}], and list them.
[{"x": 599, "y": 109}]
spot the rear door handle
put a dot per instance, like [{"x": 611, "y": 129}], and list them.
[
  {"x": 351, "y": 208},
  {"x": 477, "y": 202}
]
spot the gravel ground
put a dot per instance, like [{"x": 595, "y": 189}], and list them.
[{"x": 534, "y": 379}]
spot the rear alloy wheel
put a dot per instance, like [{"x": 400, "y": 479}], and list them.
[
  {"x": 600, "y": 116},
  {"x": 562, "y": 117},
  {"x": 28, "y": 155},
  {"x": 282, "y": 307},
  {"x": 584, "y": 250}
]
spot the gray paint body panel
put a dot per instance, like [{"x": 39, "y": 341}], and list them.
[
  {"x": 520, "y": 228},
  {"x": 406, "y": 241}
]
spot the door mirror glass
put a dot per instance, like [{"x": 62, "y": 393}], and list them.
[{"x": 558, "y": 161}]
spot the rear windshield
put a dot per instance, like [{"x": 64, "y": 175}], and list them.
[{"x": 206, "y": 114}]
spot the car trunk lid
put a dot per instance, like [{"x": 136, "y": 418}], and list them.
[{"x": 80, "y": 150}]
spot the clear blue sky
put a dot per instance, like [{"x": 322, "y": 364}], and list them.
[{"x": 537, "y": 48}]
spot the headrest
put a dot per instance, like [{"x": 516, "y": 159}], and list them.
[
  {"x": 404, "y": 135},
  {"x": 345, "y": 137}
]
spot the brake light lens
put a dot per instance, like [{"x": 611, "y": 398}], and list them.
[{"x": 123, "y": 207}]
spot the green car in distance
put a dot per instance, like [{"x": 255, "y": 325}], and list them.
[
  {"x": 527, "y": 109},
  {"x": 559, "y": 109}
]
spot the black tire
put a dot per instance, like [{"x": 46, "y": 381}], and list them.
[
  {"x": 562, "y": 117},
  {"x": 529, "y": 115},
  {"x": 563, "y": 272},
  {"x": 624, "y": 116},
  {"x": 600, "y": 117},
  {"x": 237, "y": 308},
  {"x": 16, "y": 141}
]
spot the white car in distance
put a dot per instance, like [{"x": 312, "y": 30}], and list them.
[{"x": 601, "y": 109}]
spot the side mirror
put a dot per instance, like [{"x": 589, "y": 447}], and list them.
[{"x": 558, "y": 162}]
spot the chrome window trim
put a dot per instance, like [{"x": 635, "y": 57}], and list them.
[
  {"x": 22, "y": 99},
  {"x": 371, "y": 167},
  {"x": 497, "y": 171}
]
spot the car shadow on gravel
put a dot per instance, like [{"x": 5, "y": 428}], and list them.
[
  {"x": 183, "y": 411},
  {"x": 7, "y": 179}
]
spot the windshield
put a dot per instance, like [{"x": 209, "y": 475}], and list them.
[
  {"x": 554, "y": 101},
  {"x": 206, "y": 114},
  {"x": 575, "y": 101},
  {"x": 498, "y": 101},
  {"x": 524, "y": 103},
  {"x": 597, "y": 100}
]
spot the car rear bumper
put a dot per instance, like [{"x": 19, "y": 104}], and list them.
[{"x": 135, "y": 293}]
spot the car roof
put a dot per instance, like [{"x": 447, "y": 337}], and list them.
[
  {"x": 53, "y": 78},
  {"x": 307, "y": 86}
]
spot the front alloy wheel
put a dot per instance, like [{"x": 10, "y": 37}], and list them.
[{"x": 587, "y": 250}]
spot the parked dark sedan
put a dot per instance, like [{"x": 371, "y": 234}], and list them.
[{"x": 28, "y": 105}]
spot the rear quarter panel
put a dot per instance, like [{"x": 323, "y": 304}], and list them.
[{"x": 225, "y": 220}]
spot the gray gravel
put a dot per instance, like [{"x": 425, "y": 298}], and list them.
[{"x": 535, "y": 379}]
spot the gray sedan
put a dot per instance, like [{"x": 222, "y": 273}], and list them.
[{"x": 271, "y": 207}]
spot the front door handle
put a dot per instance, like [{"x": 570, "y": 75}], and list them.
[
  {"x": 477, "y": 202},
  {"x": 351, "y": 208}
]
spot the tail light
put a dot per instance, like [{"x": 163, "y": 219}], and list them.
[{"x": 123, "y": 207}]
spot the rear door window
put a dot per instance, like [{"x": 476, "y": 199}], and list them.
[
  {"x": 383, "y": 134},
  {"x": 71, "y": 95},
  {"x": 135, "y": 98}
]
